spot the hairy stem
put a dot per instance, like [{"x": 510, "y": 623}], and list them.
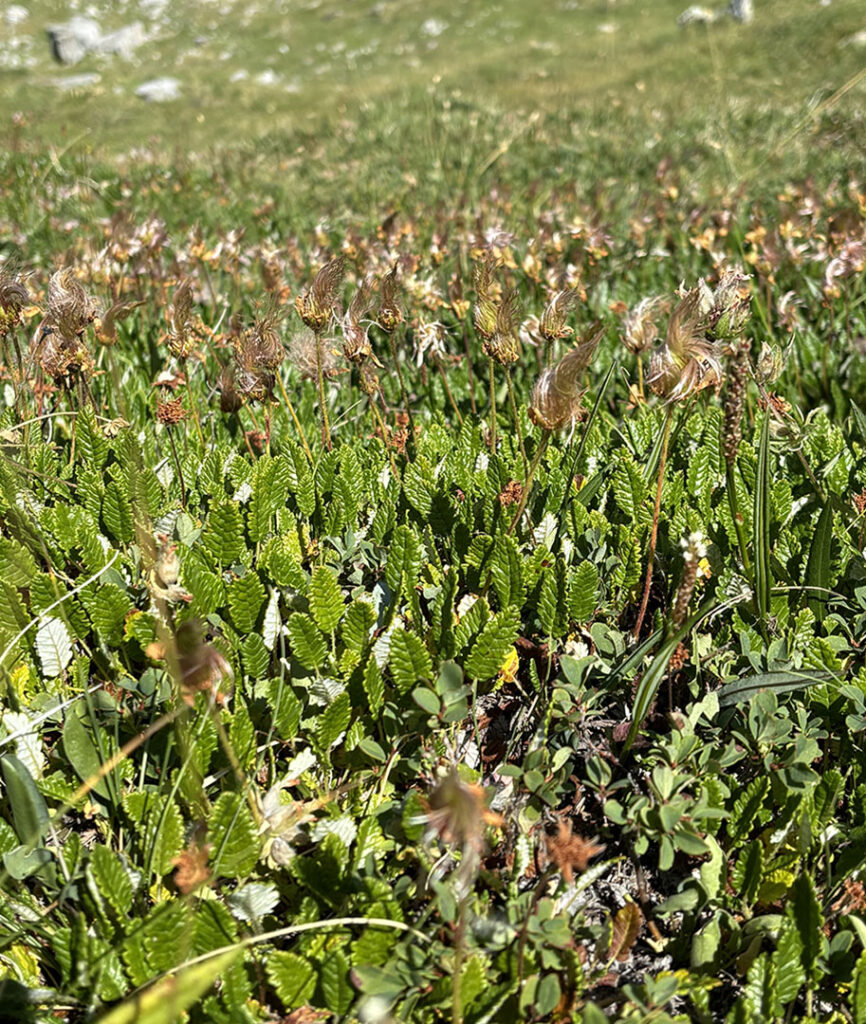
[
  {"x": 492, "y": 404},
  {"x": 320, "y": 381},
  {"x": 295, "y": 419},
  {"x": 524, "y": 498},
  {"x": 516, "y": 416}
]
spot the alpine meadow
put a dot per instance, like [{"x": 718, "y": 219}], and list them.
[{"x": 432, "y": 512}]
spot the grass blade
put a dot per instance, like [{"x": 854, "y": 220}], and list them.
[
  {"x": 818, "y": 565},
  {"x": 761, "y": 520},
  {"x": 740, "y": 690}
]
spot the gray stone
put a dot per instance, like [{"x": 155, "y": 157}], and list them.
[
  {"x": 742, "y": 11},
  {"x": 74, "y": 39},
  {"x": 123, "y": 42},
  {"x": 15, "y": 14},
  {"x": 159, "y": 90},
  {"x": 72, "y": 83},
  {"x": 697, "y": 15},
  {"x": 858, "y": 39}
]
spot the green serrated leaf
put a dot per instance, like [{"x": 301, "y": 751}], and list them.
[
  {"x": 333, "y": 721},
  {"x": 293, "y": 978},
  {"x": 246, "y": 597},
  {"x": 223, "y": 534},
  {"x": 409, "y": 660},
  {"x": 308, "y": 644},
  {"x": 232, "y": 836},
  {"x": 490, "y": 647},
  {"x": 326, "y": 599}
]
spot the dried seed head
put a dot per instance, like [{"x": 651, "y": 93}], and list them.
[
  {"x": 430, "y": 340},
  {"x": 457, "y": 812},
  {"x": 230, "y": 400},
  {"x": 555, "y": 401},
  {"x": 504, "y": 344},
  {"x": 302, "y": 355},
  {"x": 317, "y": 306},
  {"x": 356, "y": 339},
  {"x": 770, "y": 364},
  {"x": 687, "y": 362},
  {"x": 486, "y": 301},
  {"x": 69, "y": 309},
  {"x": 570, "y": 853},
  {"x": 390, "y": 314},
  {"x": 13, "y": 298},
  {"x": 851, "y": 260},
  {"x": 260, "y": 347},
  {"x": 735, "y": 394},
  {"x": 180, "y": 319},
  {"x": 552, "y": 325},
  {"x": 729, "y": 308},
  {"x": 105, "y": 325},
  {"x": 202, "y": 666},
  {"x": 171, "y": 412},
  {"x": 640, "y": 327}
]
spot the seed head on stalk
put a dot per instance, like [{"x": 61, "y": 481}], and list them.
[
  {"x": 556, "y": 397},
  {"x": 317, "y": 306},
  {"x": 687, "y": 361}
]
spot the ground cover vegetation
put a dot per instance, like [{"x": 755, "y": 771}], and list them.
[{"x": 432, "y": 565}]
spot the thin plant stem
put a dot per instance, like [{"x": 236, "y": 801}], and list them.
[
  {"x": 377, "y": 416},
  {"x": 294, "y": 416},
  {"x": 736, "y": 515},
  {"x": 640, "y": 390},
  {"x": 655, "y": 526},
  {"x": 447, "y": 387},
  {"x": 524, "y": 498},
  {"x": 469, "y": 374},
  {"x": 192, "y": 407},
  {"x": 404, "y": 394},
  {"x": 516, "y": 416},
  {"x": 320, "y": 380},
  {"x": 492, "y": 404},
  {"x": 457, "y": 976},
  {"x": 177, "y": 466}
]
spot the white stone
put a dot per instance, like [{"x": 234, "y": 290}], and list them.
[
  {"x": 15, "y": 14},
  {"x": 159, "y": 90}
]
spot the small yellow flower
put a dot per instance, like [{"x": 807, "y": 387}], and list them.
[{"x": 510, "y": 664}]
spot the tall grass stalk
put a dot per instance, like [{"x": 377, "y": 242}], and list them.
[{"x": 669, "y": 410}]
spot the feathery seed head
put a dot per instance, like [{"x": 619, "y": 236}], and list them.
[
  {"x": 356, "y": 339},
  {"x": 180, "y": 318},
  {"x": 730, "y": 303},
  {"x": 390, "y": 314},
  {"x": 552, "y": 325},
  {"x": 640, "y": 327},
  {"x": 486, "y": 301},
  {"x": 503, "y": 346},
  {"x": 770, "y": 364},
  {"x": 317, "y": 306},
  {"x": 555, "y": 401},
  {"x": 687, "y": 362}
]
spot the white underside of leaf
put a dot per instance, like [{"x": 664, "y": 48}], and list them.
[{"x": 53, "y": 647}]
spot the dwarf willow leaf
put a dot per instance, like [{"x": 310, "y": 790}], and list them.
[
  {"x": 110, "y": 879},
  {"x": 374, "y": 686},
  {"x": 29, "y": 810}
]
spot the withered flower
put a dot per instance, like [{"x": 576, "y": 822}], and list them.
[
  {"x": 171, "y": 412},
  {"x": 302, "y": 355},
  {"x": 317, "y": 306},
  {"x": 687, "y": 361},
  {"x": 356, "y": 340},
  {"x": 180, "y": 319},
  {"x": 201, "y": 665},
  {"x": 503, "y": 346},
  {"x": 390, "y": 314},
  {"x": 486, "y": 299},
  {"x": 727, "y": 308},
  {"x": 570, "y": 853},
  {"x": 552, "y": 325},
  {"x": 69, "y": 311},
  {"x": 230, "y": 400},
  {"x": 640, "y": 326},
  {"x": 13, "y": 298},
  {"x": 260, "y": 346},
  {"x": 555, "y": 400},
  {"x": 457, "y": 812}
]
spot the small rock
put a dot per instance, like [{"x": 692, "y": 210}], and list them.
[
  {"x": 74, "y": 39},
  {"x": 742, "y": 11},
  {"x": 697, "y": 15},
  {"x": 268, "y": 77},
  {"x": 159, "y": 90},
  {"x": 72, "y": 83},
  {"x": 858, "y": 39},
  {"x": 15, "y": 14},
  {"x": 122, "y": 43}
]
